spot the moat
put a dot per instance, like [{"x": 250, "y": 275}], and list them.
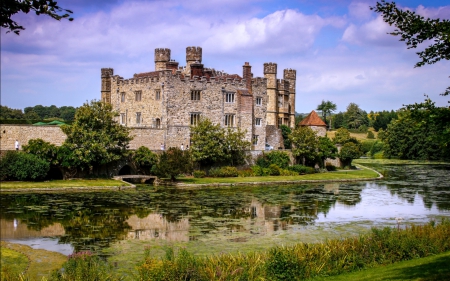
[{"x": 226, "y": 219}]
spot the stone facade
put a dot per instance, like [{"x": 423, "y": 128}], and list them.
[
  {"x": 161, "y": 105},
  {"x": 23, "y": 133}
]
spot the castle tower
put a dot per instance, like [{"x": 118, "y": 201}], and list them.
[
  {"x": 193, "y": 55},
  {"x": 270, "y": 73},
  {"x": 106, "y": 84},
  {"x": 291, "y": 76},
  {"x": 162, "y": 57}
]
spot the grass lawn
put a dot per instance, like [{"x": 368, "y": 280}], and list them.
[
  {"x": 363, "y": 173},
  {"x": 424, "y": 269},
  {"x": 11, "y": 185},
  {"x": 396, "y": 162},
  {"x": 35, "y": 263},
  {"x": 358, "y": 136}
]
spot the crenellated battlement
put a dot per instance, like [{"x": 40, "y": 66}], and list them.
[
  {"x": 270, "y": 68},
  {"x": 259, "y": 81},
  {"x": 290, "y": 74},
  {"x": 107, "y": 72},
  {"x": 162, "y": 55},
  {"x": 283, "y": 85},
  {"x": 194, "y": 54}
]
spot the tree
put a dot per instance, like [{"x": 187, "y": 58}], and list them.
[
  {"x": 211, "y": 144},
  {"x": 42, "y": 149},
  {"x": 40, "y": 7},
  {"x": 234, "y": 147},
  {"x": 145, "y": 159},
  {"x": 415, "y": 30},
  {"x": 304, "y": 143},
  {"x": 173, "y": 162},
  {"x": 207, "y": 142},
  {"x": 338, "y": 121},
  {"x": 355, "y": 117},
  {"x": 31, "y": 115},
  {"x": 349, "y": 151},
  {"x": 341, "y": 136},
  {"x": 94, "y": 138},
  {"x": 326, "y": 150},
  {"x": 9, "y": 113},
  {"x": 351, "y": 147},
  {"x": 285, "y": 131},
  {"x": 383, "y": 118},
  {"x": 326, "y": 107},
  {"x": 407, "y": 138}
]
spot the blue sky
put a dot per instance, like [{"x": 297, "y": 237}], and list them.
[{"x": 339, "y": 48}]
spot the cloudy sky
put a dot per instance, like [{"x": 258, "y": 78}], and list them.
[{"x": 339, "y": 48}]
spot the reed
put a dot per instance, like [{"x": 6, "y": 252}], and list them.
[{"x": 304, "y": 261}]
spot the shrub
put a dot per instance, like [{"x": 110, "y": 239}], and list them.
[
  {"x": 199, "y": 174},
  {"x": 223, "y": 172},
  {"x": 376, "y": 147},
  {"x": 286, "y": 172},
  {"x": 260, "y": 171},
  {"x": 42, "y": 149},
  {"x": 280, "y": 158},
  {"x": 366, "y": 145},
  {"x": 245, "y": 173},
  {"x": 274, "y": 170},
  {"x": 330, "y": 167},
  {"x": 370, "y": 135},
  {"x": 381, "y": 134},
  {"x": 23, "y": 166},
  {"x": 300, "y": 169}
]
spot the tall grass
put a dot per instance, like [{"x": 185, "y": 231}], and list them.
[{"x": 304, "y": 261}]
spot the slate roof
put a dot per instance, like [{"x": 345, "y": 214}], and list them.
[{"x": 312, "y": 120}]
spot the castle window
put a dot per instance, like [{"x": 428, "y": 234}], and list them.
[
  {"x": 229, "y": 97},
  {"x": 138, "y": 118},
  {"x": 280, "y": 101},
  {"x": 122, "y": 118},
  {"x": 280, "y": 121},
  {"x": 229, "y": 120},
  {"x": 258, "y": 101},
  {"x": 195, "y": 118},
  {"x": 257, "y": 121},
  {"x": 122, "y": 97},
  {"x": 158, "y": 123},
  {"x": 195, "y": 95},
  {"x": 157, "y": 94},
  {"x": 255, "y": 139},
  {"x": 138, "y": 95}
]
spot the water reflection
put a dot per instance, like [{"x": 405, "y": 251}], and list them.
[{"x": 98, "y": 219}]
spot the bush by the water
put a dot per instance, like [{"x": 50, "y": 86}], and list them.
[
  {"x": 199, "y": 174},
  {"x": 302, "y": 261},
  {"x": 330, "y": 167},
  {"x": 377, "y": 147},
  {"x": 17, "y": 165},
  {"x": 223, "y": 172},
  {"x": 246, "y": 173},
  {"x": 300, "y": 169},
  {"x": 279, "y": 158}
]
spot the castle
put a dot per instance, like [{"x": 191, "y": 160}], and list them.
[{"x": 161, "y": 105}]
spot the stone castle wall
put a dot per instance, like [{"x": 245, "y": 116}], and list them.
[{"x": 23, "y": 133}]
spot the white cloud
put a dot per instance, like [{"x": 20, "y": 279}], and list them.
[{"x": 373, "y": 32}]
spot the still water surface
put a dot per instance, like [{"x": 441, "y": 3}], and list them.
[{"x": 67, "y": 222}]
